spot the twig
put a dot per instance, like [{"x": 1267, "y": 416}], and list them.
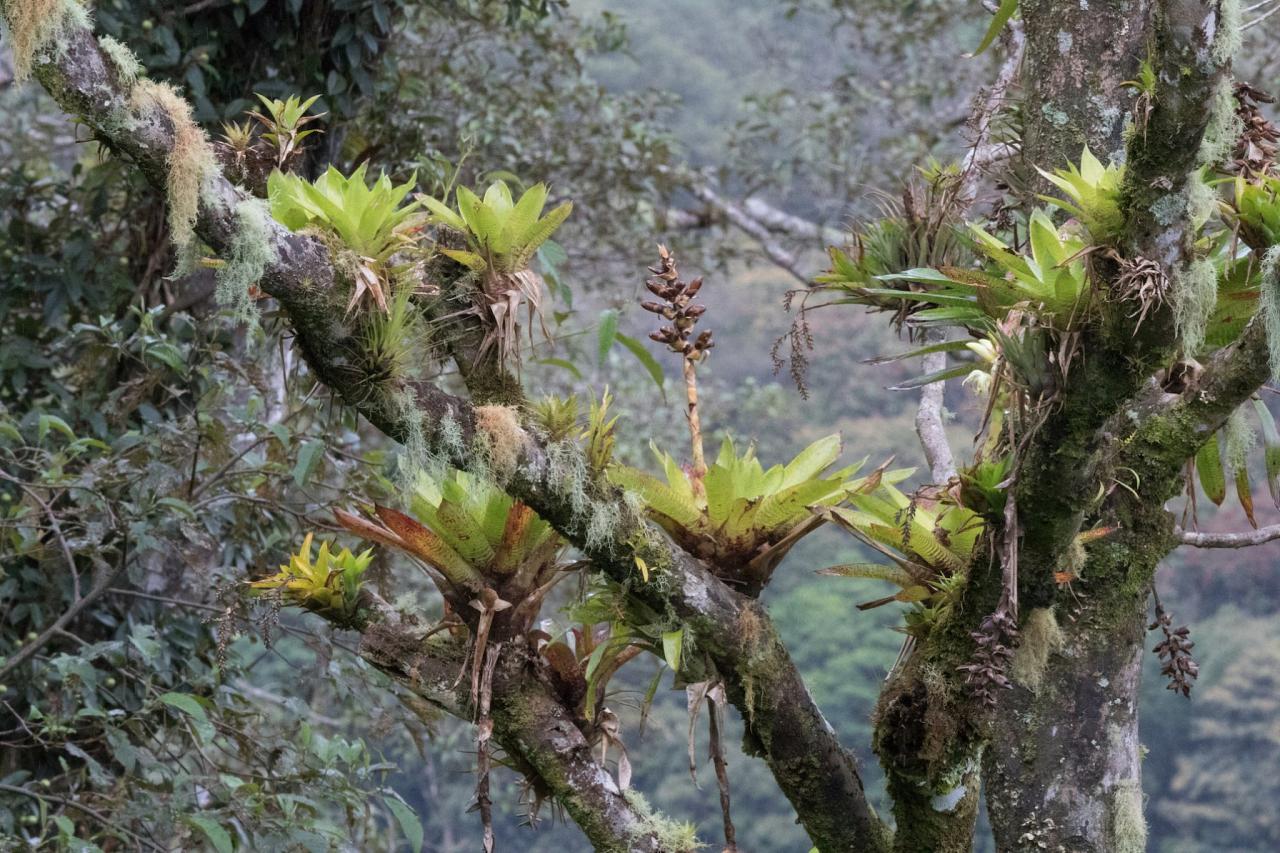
[
  {"x": 740, "y": 219},
  {"x": 983, "y": 118},
  {"x": 929, "y": 426},
  {"x": 103, "y": 583},
  {"x": 57, "y": 531},
  {"x": 91, "y": 812},
  {"x": 1248, "y": 539}
]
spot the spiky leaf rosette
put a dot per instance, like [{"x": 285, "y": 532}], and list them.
[
  {"x": 372, "y": 223},
  {"x": 502, "y": 235},
  {"x": 1050, "y": 282},
  {"x": 927, "y": 540},
  {"x": 474, "y": 540},
  {"x": 328, "y": 585},
  {"x": 1091, "y": 194},
  {"x": 747, "y": 518}
]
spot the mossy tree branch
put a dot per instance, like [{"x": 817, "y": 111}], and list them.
[
  {"x": 817, "y": 774},
  {"x": 532, "y": 725}
]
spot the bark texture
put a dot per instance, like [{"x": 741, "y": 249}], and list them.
[{"x": 1079, "y": 56}]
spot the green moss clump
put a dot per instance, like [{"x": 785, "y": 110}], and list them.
[
  {"x": 250, "y": 253},
  {"x": 1224, "y": 126},
  {"x": 1230, "y": 32},
  {"x": 1041, "y": 637},
  {"x": 671, "y": 837},
  {"x": 1128, "y": 824},
  {"x": 38, "y": 26},
  {"x": 1195, "y": 294},
  {"x": 127, "y": 65}
]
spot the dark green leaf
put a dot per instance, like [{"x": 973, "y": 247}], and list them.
[{"x": 607, "y": 333}]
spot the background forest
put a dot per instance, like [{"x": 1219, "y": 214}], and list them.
[{"x": 117, "y": 383}]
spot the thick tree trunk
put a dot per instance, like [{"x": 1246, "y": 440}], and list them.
[
  {"x": 1063, "y": 770},
  {"x": 1079, "y": 56}
]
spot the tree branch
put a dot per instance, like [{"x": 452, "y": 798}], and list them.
[
  {"x": 982, "y": 153},
  {"x": 531, "y": 724},
  {"x": 754, "y": 228},
  {"x": 1247, "y": 539},
  {"x": 929, "y": 425},
  {"x": 816, "y": 773}
]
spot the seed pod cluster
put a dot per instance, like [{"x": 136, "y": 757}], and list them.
[
  {"x": 677, "y": 308},
  {"x": 1255, "y": 152}
]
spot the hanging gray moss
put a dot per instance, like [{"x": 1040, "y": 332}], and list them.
[
  {"x": 192, "y": 163},
  {"x": 1202, "y": 200},
  {"x": 1270, "y": 307},
  {"x": 1195, "y": 294},
  {"x": 1128, "y": 824},
  {"x": 1239, "y": 437},
  {"x": 1230, "y": 31},
  {"x": 127, "y": 65},
  {"x": 1040, "y": 637},
  {"x": 248, "y": 256},
  {"x": 1224, "y": 126},
  {"x": 36, "y": 29}
]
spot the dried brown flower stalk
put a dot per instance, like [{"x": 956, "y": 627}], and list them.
[{"x": 682, "y": 314}]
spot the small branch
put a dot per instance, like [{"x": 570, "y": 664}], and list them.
[
  {"x": 778, "y": 220},
  {"x": 1248, "y": 539},
  {"x": 929, "y": 425},
  {"x": 752, "y": 227},
  {"x": 80, "y": 807},
  {"x": 105, "y": 578},
  {"x": 982, "y": 153}
]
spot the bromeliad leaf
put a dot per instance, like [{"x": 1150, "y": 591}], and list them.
[{"x": 744, "y": 519}]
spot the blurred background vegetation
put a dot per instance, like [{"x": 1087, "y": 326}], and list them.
[{"x": 160, "y": 451}]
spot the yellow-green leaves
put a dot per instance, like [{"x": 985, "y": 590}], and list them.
[
  {"x": 471, "y": 537},
  {"x": 928, "y": 545},
  {"x": 370, "y": 220},
  {"x": 746, "y": 518},
  {"x": 1091, "y": 193},
  {"x": 503, "y": 233},
  {"x": 373, "y": 222},
  {"x": 1258, "y": 209},
  {"x": 329, "y": 584}
]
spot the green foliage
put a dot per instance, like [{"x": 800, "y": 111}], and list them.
[
  {"x": 1092, "y": 195},
  {"x": 600, "y": 433},
  {"x": 329, "y": 585},
  {"x": 928, "y": 544},
  {"x": 371, "y": 222},
  {"x": 1051, "y": 281},
  {"x": 1257, "y": 204},
  {"x": 469, "y": 536},
  {"x": 502, "y": 234},
  {"x": 745, "y": 519},
  {"x": 556, "y": 417},
  {"x": 1004, "y": 12},
  {"x": 983, "y": 488},
  {"x": 283, "y": 124}
]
